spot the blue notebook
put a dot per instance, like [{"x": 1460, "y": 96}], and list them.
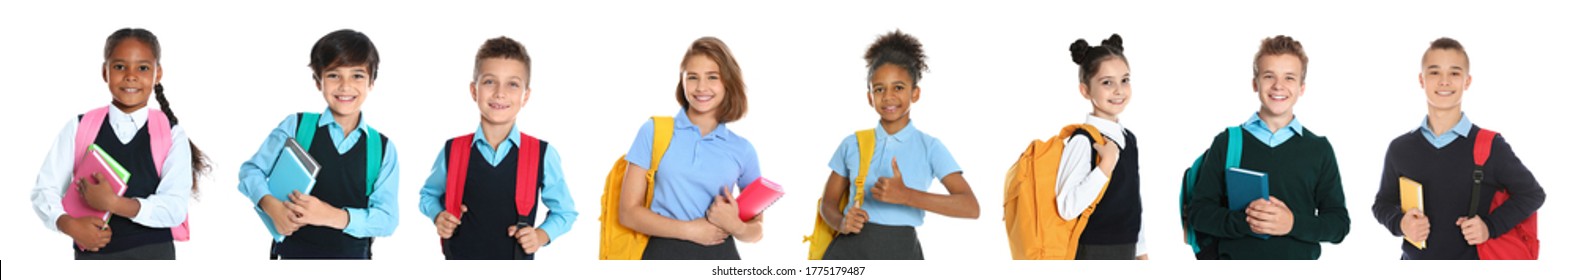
[
  {"x": 1243, "y": 187},
  {"x": 295, "y": 170}
]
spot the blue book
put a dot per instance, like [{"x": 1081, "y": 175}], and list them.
[
  {"x": 1243, "y": 187},
  {"x": 295, "y": 170}
]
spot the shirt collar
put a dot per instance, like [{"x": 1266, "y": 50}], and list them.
[
  {"x": 1109, "y": 128},
  {"x": 1462, "y": 128},
  {"x": 138, "y": 117},
  {"x": 682, "y": 121},
  {"x": 903, "y": 135},
  {"x": 1294, "y": 125},
  {"x": 327, "y": 118},
  {"x": 513, "y": 138}
]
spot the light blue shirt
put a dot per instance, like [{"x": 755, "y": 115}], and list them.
[
  {"x": 382, "y": 214},
  {"x": 923, "y": 160},
  {"x": 1261, "y": 130},
  {"x": 695, "y": 168},
  {"x": 1461, "y": 130},
  {"x": 561, "y": 212}
]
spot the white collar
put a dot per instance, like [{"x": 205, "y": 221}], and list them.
[{"x": 1109, "y": 128}]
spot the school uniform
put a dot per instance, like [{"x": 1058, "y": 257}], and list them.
[
  {"x": 1302, "y": 173},
  {"x": 341, "y": 183},
  {"x": 694, "y": 170},
  {"x": 490, "y": 197},
  {"x": 890, "y": 232},
  {"x": 1115, "y": 229},
  {"x": 163, "y": 197},
  {"x": 1444, "y": 165}
]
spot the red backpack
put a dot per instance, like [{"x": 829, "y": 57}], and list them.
[
  {"x": 1521, "y": 242},
  {"x": 525, "y": 179}
]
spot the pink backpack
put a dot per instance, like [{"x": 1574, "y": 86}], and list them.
[{"x": 159, "y": 139}]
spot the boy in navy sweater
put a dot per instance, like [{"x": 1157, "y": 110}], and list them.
[{"x": 1439, "y": 156}]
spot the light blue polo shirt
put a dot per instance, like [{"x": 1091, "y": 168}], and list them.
[
  {"x": 695, "y": 168},
  {"x": 923, "y": 160}
]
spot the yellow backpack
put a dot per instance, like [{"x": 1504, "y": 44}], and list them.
[
  {"x": 619, "y": 242},
  {"x": 824, "y": 232},
  {"x": 1035, "y": 231}
]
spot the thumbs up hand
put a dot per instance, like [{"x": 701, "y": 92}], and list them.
[{"x": 891, "y": 189}]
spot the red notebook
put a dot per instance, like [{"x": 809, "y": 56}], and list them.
[{"x": 756, "y": 197}]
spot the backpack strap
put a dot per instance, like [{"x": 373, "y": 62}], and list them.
[
  {"x": 87, "y": 130},
  {"x": 159, "y": 138},
  {"x": 307, "y": 129},
  {"x": 867, "y": 152},
  {"x": 662, "y": 135},
  {"x": 459, "y": 164},
  {"x": 527, "y": 170},
  {"x": 374, "y": 158},
  {"x": 1234, "y": 147},
  {"x": 1481, "y": 148}
]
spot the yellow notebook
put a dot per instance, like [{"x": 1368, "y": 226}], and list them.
[{"x": 1412, "y": 197}]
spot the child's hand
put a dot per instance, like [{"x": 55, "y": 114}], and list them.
[
  {"x": 1109, "y": 154},
  {"x": 1270, "y": 217},
  {"x": 724, "y": 212},
  {"x": 90, "y": 233},
  {"x": 447, "y": 222},
  {"x": 854, "y": 221},
  {"x": 312, "y": 211},
  {"x": 1414, "y": 226},
  {"x": 97, "y": 192},
  {"x": 1473, "y": 229},
  {"x": 282, "y": 217},
  {"x": 530, "y": 238},
  {"x": 704, "y": 233},
  {"x": 891, "y": 189}
]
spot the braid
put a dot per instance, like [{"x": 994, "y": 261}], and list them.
[{"x": 200, "y": 164}]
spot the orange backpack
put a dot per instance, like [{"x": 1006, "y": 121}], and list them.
[
  {"x": 619, "y": 242},
  {"x": 1035, "y": 231}
]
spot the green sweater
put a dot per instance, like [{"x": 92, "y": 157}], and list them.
[{"x": 1302, "y": 173}]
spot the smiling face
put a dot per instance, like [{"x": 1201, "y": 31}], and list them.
[
  {"x": 1279, "y": 84},
  {"x": 703, "y": 85},
  {"x": 1110, "y": 89},
  {"x": 1445, "y": 77},
  {"x": 500, "y": 90},
  {"x": 891, "y": 92},
  {"x": 345, "y": 88},
  {"x": 131, "y": 71}
]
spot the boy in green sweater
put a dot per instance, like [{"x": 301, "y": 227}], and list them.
[{"x": 1306, "y": 205}]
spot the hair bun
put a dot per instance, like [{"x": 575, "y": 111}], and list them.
[
  {"x": 1115, "y": 42},
  {"x": 1079, "y": 49}
]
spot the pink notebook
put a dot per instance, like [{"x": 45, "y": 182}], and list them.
[
  {"x": 95, "y": 160},
  {"x": 756, "y": 197}
]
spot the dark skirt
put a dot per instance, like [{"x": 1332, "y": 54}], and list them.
[
  {"x": 156, "y": 251},
  {"x": 876, "y": 242},
  {"x": 674, "y": 249}
]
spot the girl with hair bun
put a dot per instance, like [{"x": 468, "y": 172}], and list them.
[{"x": 1115, "y": 229}]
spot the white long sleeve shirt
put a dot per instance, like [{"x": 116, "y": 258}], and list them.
[
  {"x": 164, "y": 209},
  {"x": 1077, "y": 182}
]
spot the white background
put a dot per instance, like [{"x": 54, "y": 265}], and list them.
[{"x": 1001, "y": 76}]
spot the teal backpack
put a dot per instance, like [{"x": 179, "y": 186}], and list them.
[
  {"x": 1190, "y": 178},
  {"x": 308, "y": 128}
]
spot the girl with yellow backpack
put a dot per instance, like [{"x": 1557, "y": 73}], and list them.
[
  {"x": 685, "y": 210},
  {"x": 883, "y": 228}
]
